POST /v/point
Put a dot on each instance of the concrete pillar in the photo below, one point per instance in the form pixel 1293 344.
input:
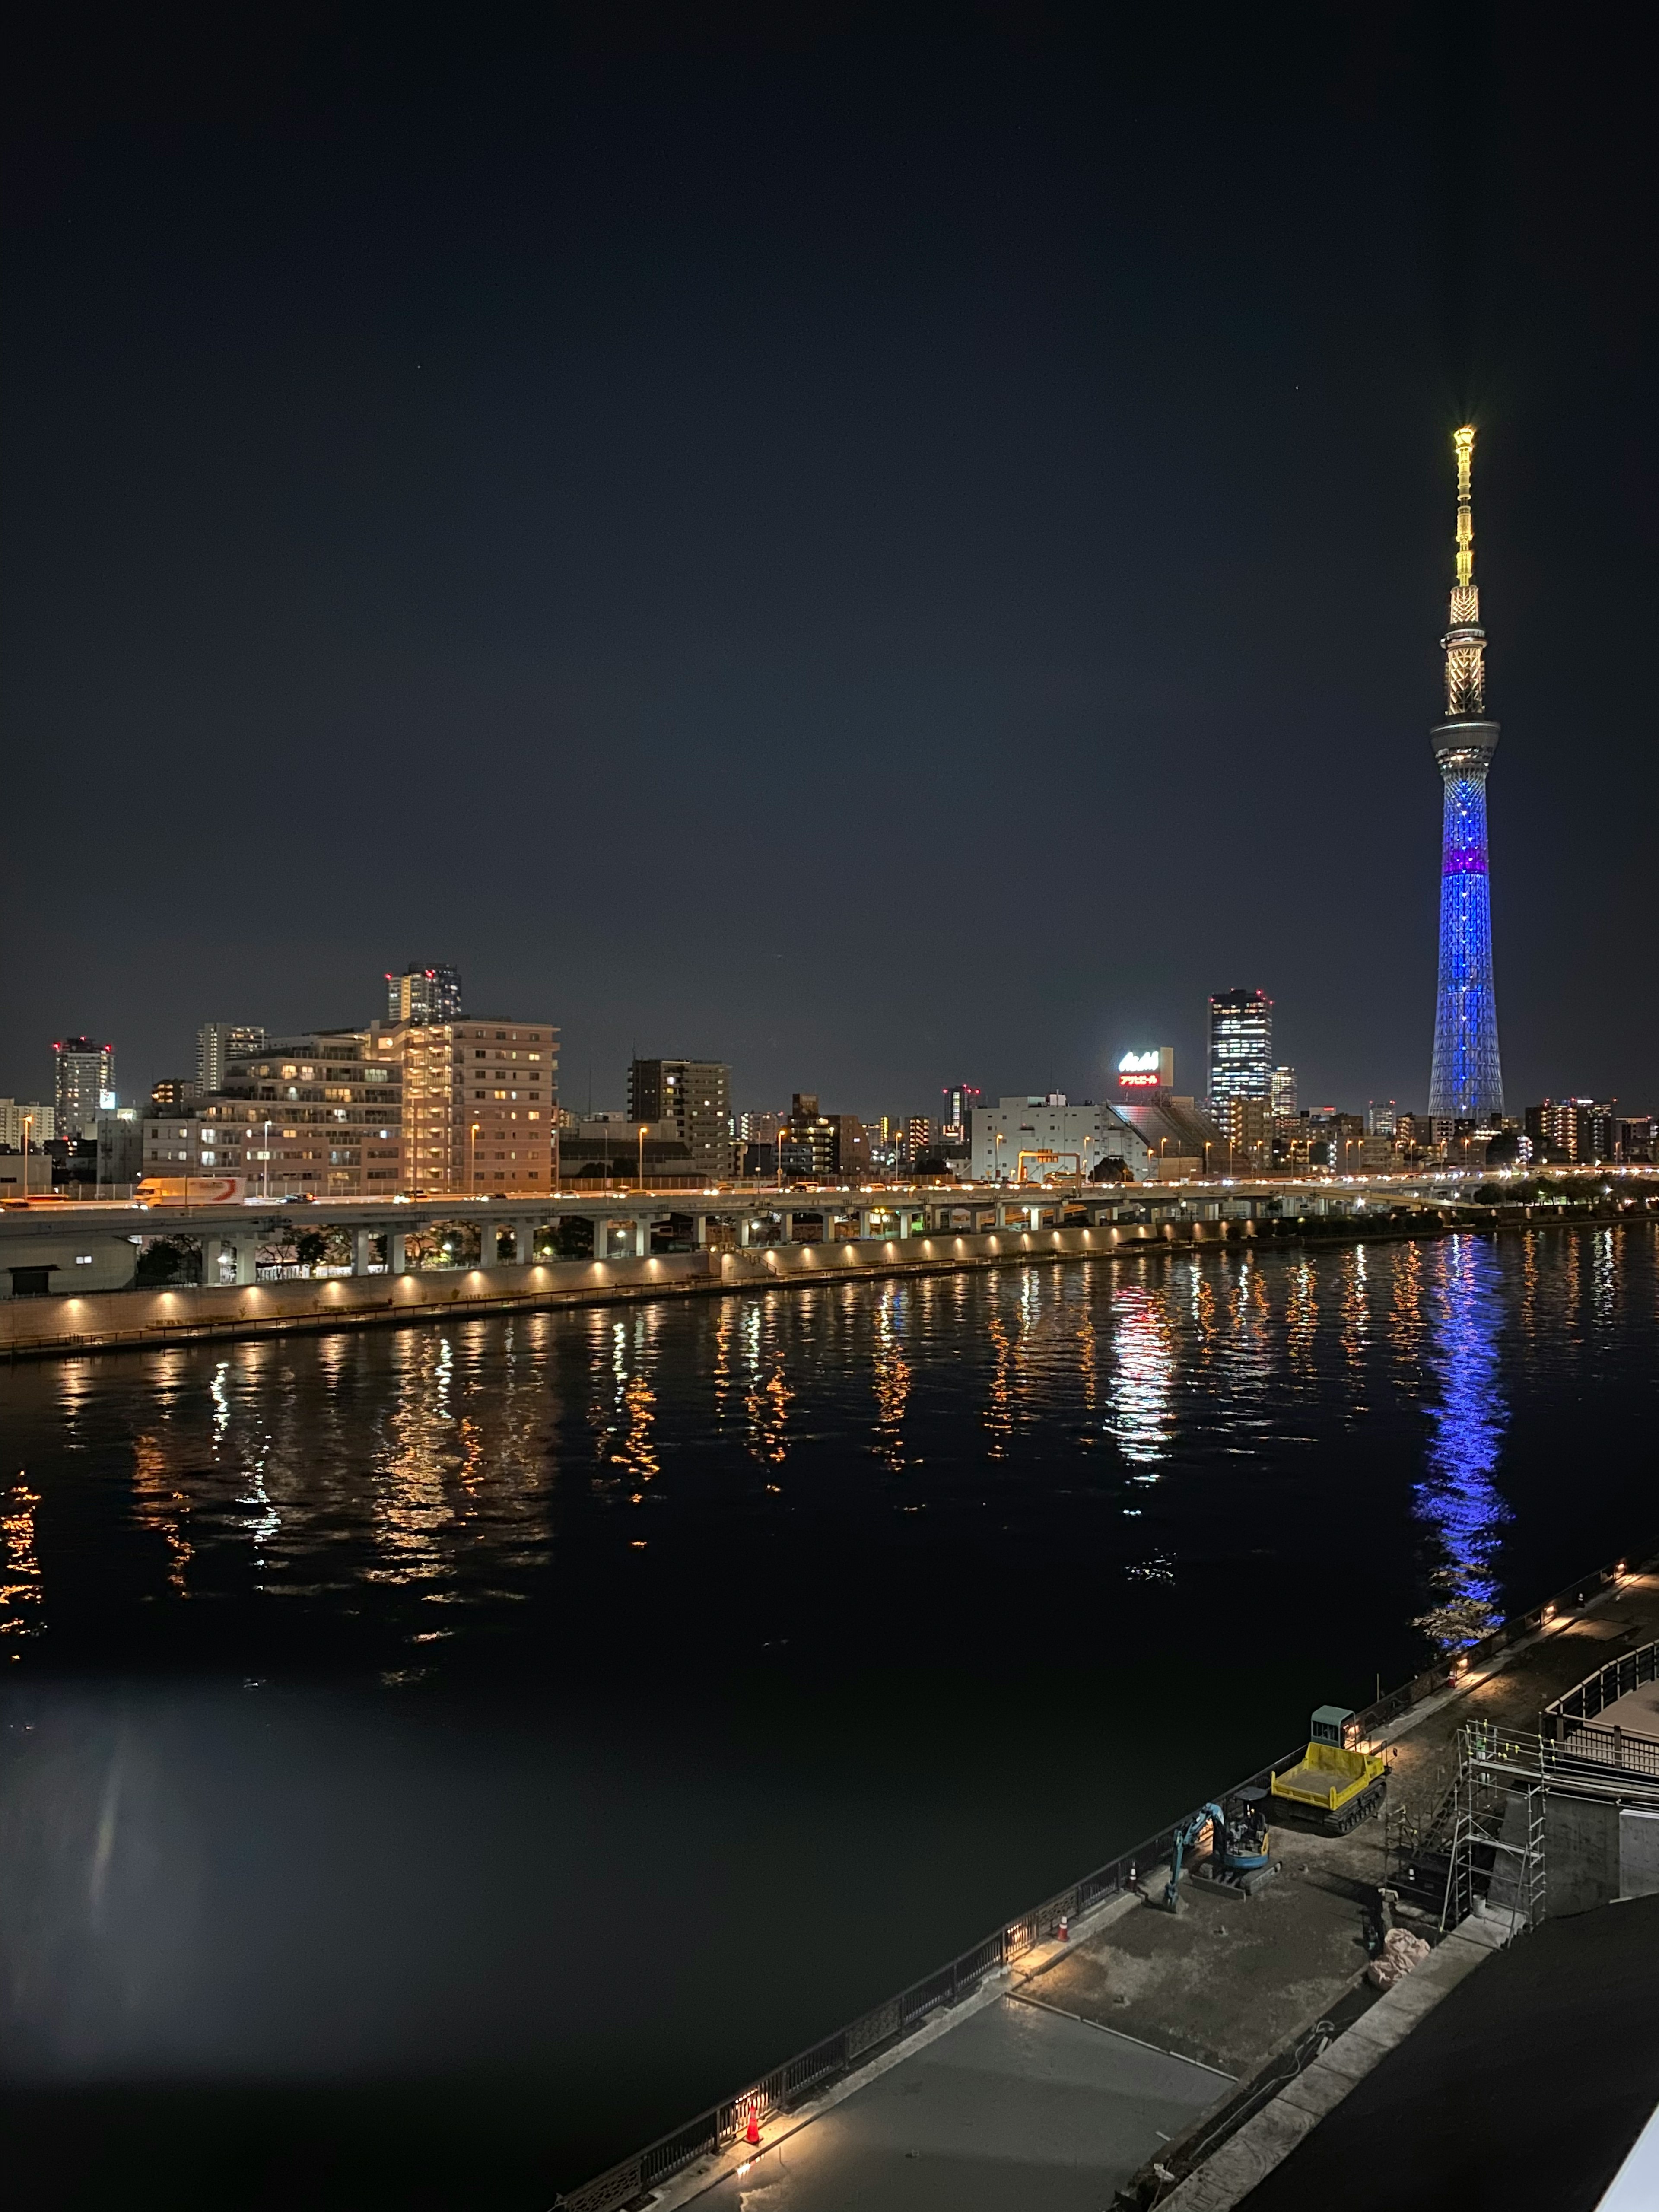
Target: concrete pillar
pixel 361 1250
pixel 789 1231
pixel 743 1234
pixel 210 1244
pixel 397 1259
pixel 488 1243
pixel 641 1237
pixel 700 1230
pixel 247 1249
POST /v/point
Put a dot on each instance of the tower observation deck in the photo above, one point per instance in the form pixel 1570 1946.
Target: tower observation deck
pixel 1467 1083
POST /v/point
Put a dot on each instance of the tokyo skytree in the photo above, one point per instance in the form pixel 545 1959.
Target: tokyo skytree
pixel 1467 1084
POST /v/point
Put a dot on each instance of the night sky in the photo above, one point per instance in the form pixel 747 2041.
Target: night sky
pixel 889 551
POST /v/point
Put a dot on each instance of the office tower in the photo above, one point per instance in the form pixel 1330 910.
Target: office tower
pixel 1382 1117
pixel 695 1096
pixel 424 994
pixel 1241 1047
pixel 1282 1091
pixel 215 1041
pixel 479 1100
pixel 85 1086
pixel 1466 1083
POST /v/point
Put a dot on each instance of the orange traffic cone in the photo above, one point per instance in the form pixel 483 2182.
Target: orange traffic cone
pixel 751 2133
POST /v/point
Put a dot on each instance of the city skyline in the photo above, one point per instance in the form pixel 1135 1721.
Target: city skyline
pixel 1106 603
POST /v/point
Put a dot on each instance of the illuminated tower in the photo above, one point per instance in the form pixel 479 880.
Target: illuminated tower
pixel 1467 1084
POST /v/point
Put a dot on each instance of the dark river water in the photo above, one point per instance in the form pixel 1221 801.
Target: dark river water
pixel 437 1760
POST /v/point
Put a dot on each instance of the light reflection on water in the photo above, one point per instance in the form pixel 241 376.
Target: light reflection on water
pixel 363 1480
pixel 1458 1497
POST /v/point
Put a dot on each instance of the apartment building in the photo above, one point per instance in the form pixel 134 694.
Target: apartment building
pixel 318 1114
pixel 480 1100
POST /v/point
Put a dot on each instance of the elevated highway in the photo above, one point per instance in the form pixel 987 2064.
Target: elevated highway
pixel 95 1275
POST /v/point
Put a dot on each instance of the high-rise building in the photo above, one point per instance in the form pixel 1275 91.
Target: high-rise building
pixel 424 994
pixel 216 1043
pixel 956 1123
pixel 695 1096
pixel 85 1086
pixel 1577 1131
pixel 1636 1137
pixel 480 1101
pixel 174 1094
pixel 1466 1082
pixel 1282 1090
pixel 1241 1047
pixel 1382 1117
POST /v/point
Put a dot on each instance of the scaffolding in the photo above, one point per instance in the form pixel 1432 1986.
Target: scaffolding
pixel 1491 1826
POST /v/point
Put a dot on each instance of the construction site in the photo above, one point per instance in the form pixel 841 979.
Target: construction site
pixel 1432 1926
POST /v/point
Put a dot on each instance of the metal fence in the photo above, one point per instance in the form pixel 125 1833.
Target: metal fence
pixel 788 2085
pixel 1566 1722
pixel 1447 1673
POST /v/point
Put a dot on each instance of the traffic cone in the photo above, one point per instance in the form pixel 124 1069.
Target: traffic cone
pixel 751 2133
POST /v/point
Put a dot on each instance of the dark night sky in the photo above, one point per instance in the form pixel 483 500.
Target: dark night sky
pixel 902 549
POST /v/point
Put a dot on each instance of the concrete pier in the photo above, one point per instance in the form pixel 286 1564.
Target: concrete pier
pixel 1053 2069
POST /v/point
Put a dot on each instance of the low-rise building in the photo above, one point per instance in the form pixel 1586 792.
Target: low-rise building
pixel 1182 1139
pixel 1030 1138
pixel 614 1148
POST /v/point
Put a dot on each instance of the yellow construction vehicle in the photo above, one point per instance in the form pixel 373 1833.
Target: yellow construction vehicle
pixel 1332 1786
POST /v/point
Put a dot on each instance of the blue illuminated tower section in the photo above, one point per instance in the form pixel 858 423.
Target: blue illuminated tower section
pixel 1467 1084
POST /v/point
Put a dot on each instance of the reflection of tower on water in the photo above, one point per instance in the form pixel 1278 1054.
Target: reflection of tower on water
pixel 1458 1499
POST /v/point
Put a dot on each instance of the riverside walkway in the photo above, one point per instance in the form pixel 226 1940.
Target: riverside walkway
pixel 1178 2058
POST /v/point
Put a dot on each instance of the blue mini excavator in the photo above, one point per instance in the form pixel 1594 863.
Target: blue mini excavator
pixel 1239 1859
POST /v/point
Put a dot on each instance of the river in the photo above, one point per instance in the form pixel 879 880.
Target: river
pixel 439 1757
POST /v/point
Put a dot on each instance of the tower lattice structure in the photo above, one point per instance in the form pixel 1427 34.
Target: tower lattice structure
pixel 1467 1083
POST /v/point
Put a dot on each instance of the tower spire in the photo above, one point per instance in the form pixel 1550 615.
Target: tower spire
pixel 1465 641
